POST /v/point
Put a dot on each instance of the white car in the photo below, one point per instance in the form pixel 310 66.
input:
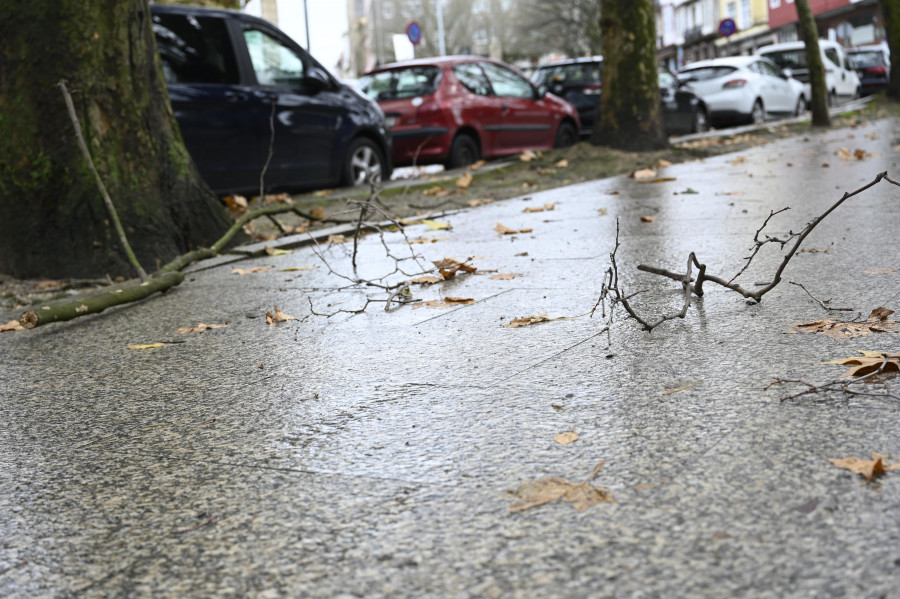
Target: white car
pixel 744 89
pixel 841 80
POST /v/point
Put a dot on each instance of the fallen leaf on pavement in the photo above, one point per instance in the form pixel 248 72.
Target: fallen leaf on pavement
pixel 146 346
pixel 869 362
pixel 534 493
pixel 546 171
pixel 448 267
pixel 336 239
pixel 277 252
pixel 436 225
pixel 524 321
pixel 680 387
pixel 877 322
pixel 464 180
pixel 565 438
pixel 505 276
pixel 546 207
pixel 611 192
pixel 12 325
pixel 317 212
pixel 295 268
pixel 527 156
pixel 426 280
pixel 479 202
pixel 662 162
pixel 857 154
pixel 247 271
pixel 278 316
pixel 459 300
pixel 738 160
pixel 202 327
pixel 562 163
pixel 437 190
pixel 447 302
pixel 424 240
pixel 649 219
pixel 477 165
pixel 657 180
pixel 236 203
pixel 644 173
pixel 879 271
pixel 504 230
pixel 868 468
pixel 602 211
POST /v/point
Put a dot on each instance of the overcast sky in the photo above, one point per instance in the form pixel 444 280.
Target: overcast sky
pixel 327 25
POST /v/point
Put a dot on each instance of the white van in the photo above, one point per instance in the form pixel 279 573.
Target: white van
pixel 841 80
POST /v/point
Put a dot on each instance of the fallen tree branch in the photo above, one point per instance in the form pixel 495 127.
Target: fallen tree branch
pixel 842 385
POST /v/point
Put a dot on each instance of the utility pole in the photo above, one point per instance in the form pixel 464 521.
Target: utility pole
pixel 306 21
pixel 440 19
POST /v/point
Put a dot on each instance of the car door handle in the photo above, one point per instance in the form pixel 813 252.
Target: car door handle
pixel 236 96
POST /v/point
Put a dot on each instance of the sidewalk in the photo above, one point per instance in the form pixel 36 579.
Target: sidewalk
pixel 372 454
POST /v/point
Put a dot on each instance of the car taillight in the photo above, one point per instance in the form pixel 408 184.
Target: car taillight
pixel 876 70
pixel 734 84
pixel 593 90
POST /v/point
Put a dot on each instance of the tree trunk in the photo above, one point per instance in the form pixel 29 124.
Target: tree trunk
pixel 810 35
pixel 53 222
pixel 629 114
pixel 890 11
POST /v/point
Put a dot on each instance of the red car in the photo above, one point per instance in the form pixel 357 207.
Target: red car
pixel 455 110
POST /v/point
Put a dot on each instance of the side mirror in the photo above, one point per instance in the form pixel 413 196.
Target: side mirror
pixel 787 73
pixel 541 91
pixel 317 80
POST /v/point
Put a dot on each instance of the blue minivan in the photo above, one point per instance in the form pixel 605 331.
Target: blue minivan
pixel 240 89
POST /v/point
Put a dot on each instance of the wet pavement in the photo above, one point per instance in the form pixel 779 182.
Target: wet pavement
pixel 373 454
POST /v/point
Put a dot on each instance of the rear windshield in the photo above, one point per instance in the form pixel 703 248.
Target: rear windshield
pixel 788 59
pixel 704 73
pixel 866 59
pixel 400 83
pixel 587 73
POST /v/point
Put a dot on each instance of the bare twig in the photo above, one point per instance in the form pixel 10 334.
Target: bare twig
pixel 820 302
pixel 842 385
pixel 262 173
pixel 113 215
pixel 193 528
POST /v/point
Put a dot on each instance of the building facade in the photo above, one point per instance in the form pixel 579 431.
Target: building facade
pixel 849 22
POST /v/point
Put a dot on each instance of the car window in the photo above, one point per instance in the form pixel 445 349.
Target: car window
pixel 704 73
pixel 273 62
pixel 768 69
pixel 397 84
pixel 506 83
pixel 472 78
pixel 866 59
pixel 666 79
pixel 584 73
pixel 832 55
pixel 788 59
pixel 195 49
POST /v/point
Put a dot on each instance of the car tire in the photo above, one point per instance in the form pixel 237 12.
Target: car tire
pixel 700 122
pixel 758 113
pixel 565 135
pixel 365 163
pixel 801 106
pixel 463 152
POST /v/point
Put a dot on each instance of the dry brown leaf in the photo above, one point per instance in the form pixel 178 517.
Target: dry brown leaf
pixel 447 302
pixel 505 276
pixel 868 362
pixel 464 180
pixel 546 171
pixel 426 280
pixel 278 198
pixel 738 160
pixel 523 321
pixel 879 271
pixel 534 493
pixel 504 230
pixel 277 252
pixel 527 156
pixel 565 438
pixel 12 325
pixel 146 346
pixel 437 190
pixel 247 271
pixel 644 173
pixel 423 240
pixel 448 267
pixel 202 327
pixel 662 163
pixel 278 316
pixel 546 207
pixel 295 268
pixel 236 203
pixel 317 212
pixel 841 330
pixel 562 163
pixel 477 165
pixel 611 192
pixel 649 219
pixel 479 202
pixel 459 300
pixel 868 468
pixel 336 239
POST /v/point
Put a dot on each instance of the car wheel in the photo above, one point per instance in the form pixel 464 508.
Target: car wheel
pixel 365 163
pixel 463 152
pixel 758 114
pixel 565 135
pixel 801 106
pixel 701 121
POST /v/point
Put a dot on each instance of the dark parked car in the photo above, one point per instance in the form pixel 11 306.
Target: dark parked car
pixel 454 110
pixel 579 82
pixel 232 78
pixel 873 65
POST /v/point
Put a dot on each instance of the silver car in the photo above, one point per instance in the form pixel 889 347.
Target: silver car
pixel 744 89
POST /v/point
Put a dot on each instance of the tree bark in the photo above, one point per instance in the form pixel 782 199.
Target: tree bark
pixel 53 222
pixel 890 11
pixel 629 114
pixel 810 34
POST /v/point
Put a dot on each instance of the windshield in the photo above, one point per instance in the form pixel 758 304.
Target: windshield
pixel 586 73
pixel 705 73
pixel 866 59
pixel 400 83
pixel 788 59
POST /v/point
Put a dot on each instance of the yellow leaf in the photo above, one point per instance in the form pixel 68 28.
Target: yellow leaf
pixel 436 225
pixel 464 180
pixel 147 346
pixel 246 271
pixel 277 252
pixel 565 438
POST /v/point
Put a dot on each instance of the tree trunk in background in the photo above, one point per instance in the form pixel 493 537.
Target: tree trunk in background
pixel 810 35
pixel 890 10
pixel 629 115
pixel 53 222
